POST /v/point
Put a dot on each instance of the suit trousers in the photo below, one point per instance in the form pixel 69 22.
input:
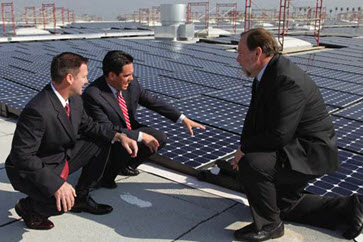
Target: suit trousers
pixel 275 193
pixel 120 159
pixel 87 154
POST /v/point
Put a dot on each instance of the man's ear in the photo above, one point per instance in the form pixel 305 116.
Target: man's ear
pixel 258 52
pixel 111 75
pixel 69 79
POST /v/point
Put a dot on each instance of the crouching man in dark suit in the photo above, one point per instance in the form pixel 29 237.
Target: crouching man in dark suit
pixel 287 139
pixel 112 100
pixel 55 137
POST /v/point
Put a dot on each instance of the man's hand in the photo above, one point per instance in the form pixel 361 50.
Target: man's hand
pixel 190 124
pixel 150 142
pixel 65 196
pixel 129 144
pixel 237 157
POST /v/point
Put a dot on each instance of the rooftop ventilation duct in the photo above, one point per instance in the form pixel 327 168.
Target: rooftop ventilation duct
pixel 173 18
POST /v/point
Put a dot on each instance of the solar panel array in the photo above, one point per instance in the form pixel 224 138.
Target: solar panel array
pixel 205 83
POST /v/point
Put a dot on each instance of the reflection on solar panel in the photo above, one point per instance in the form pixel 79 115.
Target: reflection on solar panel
pixel 348 180
pixel 204 148
pixel 215 112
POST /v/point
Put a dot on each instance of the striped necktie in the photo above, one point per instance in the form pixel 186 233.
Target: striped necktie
pixel 123 106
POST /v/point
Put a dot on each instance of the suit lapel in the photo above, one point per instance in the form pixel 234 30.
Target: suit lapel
pixel 107 94
pixel 61 113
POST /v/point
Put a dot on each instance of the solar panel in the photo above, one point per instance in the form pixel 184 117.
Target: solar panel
pixel 338 99
pixel 15 105
pixel 143 70
pixel 215 112
pixel 172 87
pixel 353 112
pixel 206 79
pixel 9 89
pixel 348 180
pixel 239 95
pixel 349 134
pixel 338 85
pixel 199 151
pixel 170 66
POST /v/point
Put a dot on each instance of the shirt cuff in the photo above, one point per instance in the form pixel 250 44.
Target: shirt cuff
pixel 181 118
pixel 139 139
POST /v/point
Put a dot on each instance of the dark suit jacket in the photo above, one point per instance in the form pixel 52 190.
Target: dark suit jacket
pixel 43 139
pixel 102 105
pixel 288 115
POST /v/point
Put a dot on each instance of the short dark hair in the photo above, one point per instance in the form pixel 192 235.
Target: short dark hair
pixel 114 61
pixel 64 64
pixel 262 38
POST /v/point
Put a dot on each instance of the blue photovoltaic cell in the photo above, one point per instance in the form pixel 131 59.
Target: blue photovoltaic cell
pixel 353 112
pixel 207 79
pixel 348 180
pixel 338 99
pixel 172 87
pixel 204 148
pixel 215 112
pixel 349 134
pixel 240 95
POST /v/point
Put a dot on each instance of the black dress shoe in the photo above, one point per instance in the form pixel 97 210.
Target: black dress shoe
pixel 129 171
pixel 31 219
pixel 108 184
pixel 356 225
pixel 87 204
pixel 249 233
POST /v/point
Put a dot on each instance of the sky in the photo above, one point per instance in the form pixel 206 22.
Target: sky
pixel 110 9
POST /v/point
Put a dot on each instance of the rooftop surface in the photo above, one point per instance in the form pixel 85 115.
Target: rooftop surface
pixel 157 205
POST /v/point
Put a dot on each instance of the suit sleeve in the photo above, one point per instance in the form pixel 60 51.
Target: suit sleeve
pixel 288 106
pixel 26 142
pixel 95 110
pixel 158 105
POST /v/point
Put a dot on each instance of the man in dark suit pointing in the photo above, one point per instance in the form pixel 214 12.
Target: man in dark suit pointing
pixel 112 100
pixel 55 137
pixel 287 139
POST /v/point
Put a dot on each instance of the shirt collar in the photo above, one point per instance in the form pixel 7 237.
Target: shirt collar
pixel 61 99
pixel 113 90
pixel 260 74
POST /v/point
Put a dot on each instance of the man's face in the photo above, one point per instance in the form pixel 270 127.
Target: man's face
pixel 79 80
pixel 122 80
pixel 246 58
